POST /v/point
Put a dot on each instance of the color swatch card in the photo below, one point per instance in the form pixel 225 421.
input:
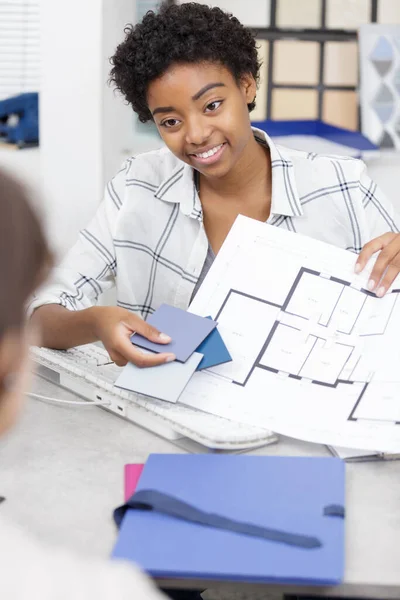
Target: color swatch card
pixel 214 350
pixel 165 382
pixel 186 330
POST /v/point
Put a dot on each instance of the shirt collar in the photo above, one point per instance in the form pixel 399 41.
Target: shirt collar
pixel 285 198
pixel 179 186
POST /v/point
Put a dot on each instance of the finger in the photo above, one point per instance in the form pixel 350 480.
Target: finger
pixel 378 271
pixel 390 275
pixel 137 325
pixel 131 353
pixel 117 358
pixel 370 248
pixel 146 359
pixel 388 256
pixel 139 358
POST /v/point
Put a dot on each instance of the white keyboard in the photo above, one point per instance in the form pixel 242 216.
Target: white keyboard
pixel 88 372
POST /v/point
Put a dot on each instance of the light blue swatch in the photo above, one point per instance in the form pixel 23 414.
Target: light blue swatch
pixel 164 382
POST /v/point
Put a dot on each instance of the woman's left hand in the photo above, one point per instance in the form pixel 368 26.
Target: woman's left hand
pixel 387 265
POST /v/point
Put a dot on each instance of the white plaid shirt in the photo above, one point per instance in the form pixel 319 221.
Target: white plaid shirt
pixel 148 239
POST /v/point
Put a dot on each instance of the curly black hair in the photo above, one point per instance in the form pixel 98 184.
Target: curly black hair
pixel 186 33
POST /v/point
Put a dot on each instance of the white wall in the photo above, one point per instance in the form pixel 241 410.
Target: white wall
pixel 117 117
pixel 70 113
pixel 83 125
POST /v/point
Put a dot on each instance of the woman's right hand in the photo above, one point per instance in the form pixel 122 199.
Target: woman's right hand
pixel 114 327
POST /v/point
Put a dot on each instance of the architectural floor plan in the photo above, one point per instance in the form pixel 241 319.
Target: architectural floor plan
pixel 314 352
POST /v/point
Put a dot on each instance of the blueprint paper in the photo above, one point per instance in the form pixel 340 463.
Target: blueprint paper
pixel 214 351
pixel 315 355
pixel 352 454
pixel 186 330
pixel 165 382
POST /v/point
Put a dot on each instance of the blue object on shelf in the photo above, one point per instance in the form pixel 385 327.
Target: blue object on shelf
pixel 338 135
pixel 26 130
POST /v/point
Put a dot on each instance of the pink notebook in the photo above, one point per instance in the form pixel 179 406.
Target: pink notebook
pixel 132 475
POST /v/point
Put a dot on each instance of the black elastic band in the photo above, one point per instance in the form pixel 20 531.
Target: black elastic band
pixel 151 500
pixel 334 510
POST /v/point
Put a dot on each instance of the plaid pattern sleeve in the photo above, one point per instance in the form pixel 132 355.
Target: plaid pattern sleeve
pixel 90 267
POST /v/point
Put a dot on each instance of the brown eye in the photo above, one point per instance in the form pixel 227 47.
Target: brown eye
pixel 213 105
pixel 168 123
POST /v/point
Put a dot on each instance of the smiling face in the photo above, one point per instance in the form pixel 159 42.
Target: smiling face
pixel 202 116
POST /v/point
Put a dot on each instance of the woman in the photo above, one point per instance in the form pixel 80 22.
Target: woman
pixel 193 71
pixel 29 570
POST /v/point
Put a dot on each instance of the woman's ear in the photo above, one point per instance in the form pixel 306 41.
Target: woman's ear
pixel 249 87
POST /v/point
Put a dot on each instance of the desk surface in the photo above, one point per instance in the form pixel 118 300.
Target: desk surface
pixel 61 471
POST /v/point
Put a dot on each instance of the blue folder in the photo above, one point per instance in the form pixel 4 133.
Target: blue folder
pixel 275 492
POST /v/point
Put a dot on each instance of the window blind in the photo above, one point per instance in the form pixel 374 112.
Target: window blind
pixel 19 47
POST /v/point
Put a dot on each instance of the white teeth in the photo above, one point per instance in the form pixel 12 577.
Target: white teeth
pixel 210 152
